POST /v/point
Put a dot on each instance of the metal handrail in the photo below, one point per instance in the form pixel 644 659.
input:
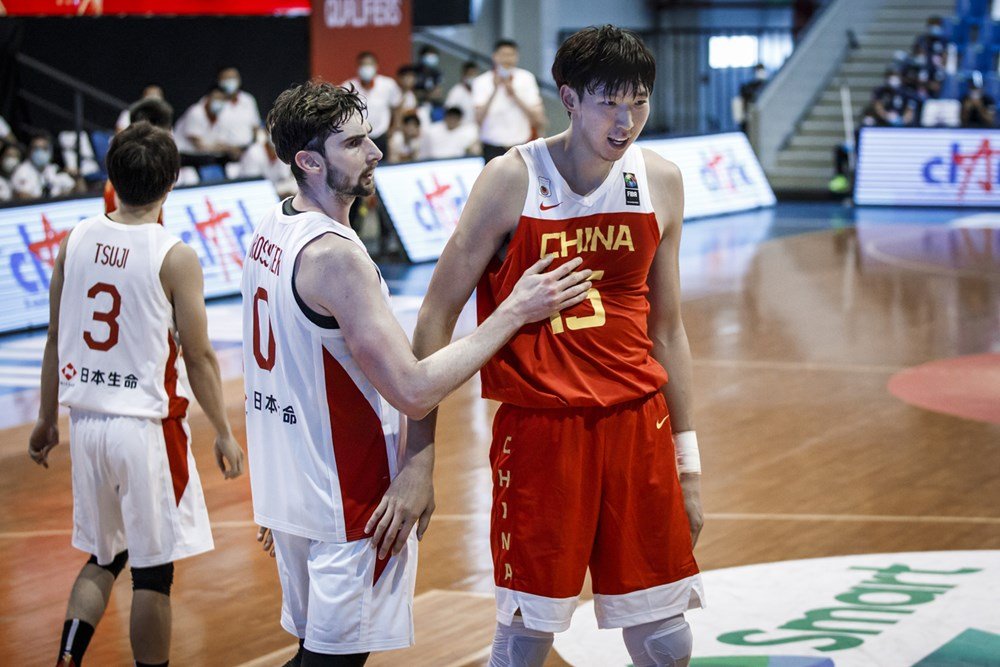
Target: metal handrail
pixel 74 83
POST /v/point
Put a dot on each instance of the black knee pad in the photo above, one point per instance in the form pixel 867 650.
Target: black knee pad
pixel 158 578
pixel 115 567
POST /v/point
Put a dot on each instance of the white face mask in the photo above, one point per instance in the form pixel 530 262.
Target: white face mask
pixel 503 72
pixel 229 86
pixel 430 60
pixel 216 106
pixel 9 164
pixel 366 72
pixel 41 157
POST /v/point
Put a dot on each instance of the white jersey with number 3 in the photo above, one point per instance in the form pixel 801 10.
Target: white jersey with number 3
pixel 322 442
pixel 118 352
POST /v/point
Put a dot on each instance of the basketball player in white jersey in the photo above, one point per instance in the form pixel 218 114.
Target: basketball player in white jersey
pixel 125 298
pixel 585 472
pixel 328 369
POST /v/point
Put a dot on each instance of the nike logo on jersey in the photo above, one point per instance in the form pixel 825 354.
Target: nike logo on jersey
pixel 660 423
pixel 545 208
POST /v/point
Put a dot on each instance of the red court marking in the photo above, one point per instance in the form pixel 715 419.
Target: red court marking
pixel 967 387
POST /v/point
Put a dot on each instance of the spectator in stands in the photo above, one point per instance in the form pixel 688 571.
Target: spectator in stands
pixel 151 91
pixel 508 105
pixel 460 94
pixel 11 157
pixel 449 138
pixel 260 161
pixel 933 42
pixel 240 116
pixel 406 77
pixel 200 129
pixel 920 70
pixel 748 95
pixel 978 108
pixel 382 95
pixel 428 76
pixel 39 177
pixel 6 134
pixel 894 106
pixel 404 146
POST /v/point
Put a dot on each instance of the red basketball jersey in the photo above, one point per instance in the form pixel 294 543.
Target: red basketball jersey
pixel 598 352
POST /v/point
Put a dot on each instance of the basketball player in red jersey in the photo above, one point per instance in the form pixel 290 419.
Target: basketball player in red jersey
pixel 584 467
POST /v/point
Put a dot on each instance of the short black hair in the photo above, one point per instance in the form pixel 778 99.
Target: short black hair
pixel 469 64
pixel 142 163
pixel 407 69
pixel 454 111
pixel 605 57
pixel 305 115
pixel 427 48
pixel 154 111
pixel 411 117
pixel 501 43
pixel 366 54
pixel 40 134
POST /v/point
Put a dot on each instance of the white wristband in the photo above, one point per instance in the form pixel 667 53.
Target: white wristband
pixel 686 449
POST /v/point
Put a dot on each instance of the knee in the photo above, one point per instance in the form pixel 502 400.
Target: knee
pixel 665 643
pixel 115 567
pixel 158 578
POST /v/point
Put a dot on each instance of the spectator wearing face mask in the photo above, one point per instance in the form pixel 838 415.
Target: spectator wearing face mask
pixel 151 92
pixel 10 159
pixel 893 105
pixel 920 71
pixel 38 177
pixel 428 76
pixel 508 105
pixel 933 43
pixel 381 94
pixel 460 94
pixel 449 138
pixel 260 161
pixel 404 146
pixel 239 117
pixel 978 108
pixel 201 130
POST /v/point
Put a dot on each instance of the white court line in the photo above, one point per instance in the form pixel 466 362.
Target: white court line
pixel 796 366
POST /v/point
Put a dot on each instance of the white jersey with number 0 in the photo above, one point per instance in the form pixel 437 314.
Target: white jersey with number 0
pixel 118 352
pixel 322 442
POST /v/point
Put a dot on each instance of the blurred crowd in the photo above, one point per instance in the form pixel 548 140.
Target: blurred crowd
pixel 414 115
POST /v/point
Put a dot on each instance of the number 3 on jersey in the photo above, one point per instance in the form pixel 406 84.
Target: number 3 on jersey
pixel 108 317
pixel 265 362
pixel 573 322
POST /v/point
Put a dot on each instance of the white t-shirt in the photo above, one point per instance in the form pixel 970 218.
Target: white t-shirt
pixel 461 97
pixel 402 149
pixel 124 120
pixel 437 141
pixel 4 128
pixel 256 162
pixel 505 124
pixel 381 97
pixel 239 120
pixel 6 192
pixel 27 181
pixel 196 123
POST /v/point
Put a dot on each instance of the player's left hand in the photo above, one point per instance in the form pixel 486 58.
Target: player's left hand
pixel 43 438
pixel 266 539
pixel 409 500
pixel 691 487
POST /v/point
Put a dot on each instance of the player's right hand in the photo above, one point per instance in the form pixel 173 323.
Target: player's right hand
pixel 229 456
pixel 266 539
pixel 43 438
pixel 539 294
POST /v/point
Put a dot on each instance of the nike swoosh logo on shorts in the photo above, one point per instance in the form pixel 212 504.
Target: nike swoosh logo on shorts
pixel 660 423
pixel 545 208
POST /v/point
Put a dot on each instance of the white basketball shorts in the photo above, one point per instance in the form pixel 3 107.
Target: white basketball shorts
pixel 330 595
pixel 135 486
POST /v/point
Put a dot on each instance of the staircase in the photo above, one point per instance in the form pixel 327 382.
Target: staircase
pixel 806 163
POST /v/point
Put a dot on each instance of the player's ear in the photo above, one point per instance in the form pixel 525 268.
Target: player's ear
pixel 570 98
pixel 307 162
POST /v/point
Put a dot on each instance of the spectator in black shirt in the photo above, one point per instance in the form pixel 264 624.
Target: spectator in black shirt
pixel 921 72
pixel 894 106
pixel 933 43
pixel 429 77
pixel 749 92
pixel 978 108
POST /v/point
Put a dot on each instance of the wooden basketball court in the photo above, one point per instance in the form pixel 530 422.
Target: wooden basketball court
pixel 806 453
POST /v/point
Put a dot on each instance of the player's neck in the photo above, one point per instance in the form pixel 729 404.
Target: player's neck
pixel 329 203
pixel 136 215
pixel 583 170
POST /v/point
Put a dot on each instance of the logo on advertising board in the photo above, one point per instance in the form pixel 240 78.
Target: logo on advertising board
pixel 362 13
pixel 442 201
pixel 32 264
pixel 974 169
pixel 904 610
pixel 722 170
pixel 218 233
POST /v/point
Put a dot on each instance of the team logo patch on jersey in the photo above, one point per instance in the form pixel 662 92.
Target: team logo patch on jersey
pixel 631 189
pixel 69 372
pixel 543 186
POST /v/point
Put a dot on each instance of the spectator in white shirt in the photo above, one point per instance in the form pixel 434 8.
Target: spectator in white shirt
pixel 406 77
pixel 38 177
pixel 260 161
pixel 460 94
pixel 151 91
pixel 240 116
pixel 200 129
pixel 381 94
pixel 10 159
pixel 404 146
pixel 508 105
pixel 449 138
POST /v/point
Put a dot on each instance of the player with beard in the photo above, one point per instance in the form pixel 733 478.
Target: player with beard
pixel 328 369
pixel 584 468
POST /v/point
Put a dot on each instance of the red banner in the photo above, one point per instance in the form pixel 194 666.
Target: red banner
pixel 340 29
pixel 153 7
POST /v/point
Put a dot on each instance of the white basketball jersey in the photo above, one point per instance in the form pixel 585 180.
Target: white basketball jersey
pixel 322 442
pixel 118 350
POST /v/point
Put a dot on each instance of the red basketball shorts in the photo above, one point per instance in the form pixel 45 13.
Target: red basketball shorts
pixel 589 487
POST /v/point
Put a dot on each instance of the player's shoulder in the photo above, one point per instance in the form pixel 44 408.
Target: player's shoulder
pixel 507 171
pixel 332 251
pixel 659 169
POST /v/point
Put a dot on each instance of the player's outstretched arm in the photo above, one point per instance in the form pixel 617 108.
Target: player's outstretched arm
pixel 184 284
pixel 666 329
pixel 45 434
